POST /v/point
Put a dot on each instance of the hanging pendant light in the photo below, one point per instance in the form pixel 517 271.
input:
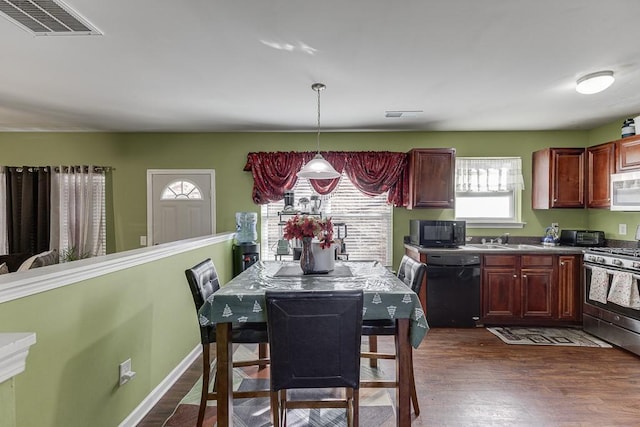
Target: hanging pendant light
pixel 318 167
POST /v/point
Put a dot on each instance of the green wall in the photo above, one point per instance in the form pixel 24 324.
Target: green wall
pixel 85 330
pixel 133 153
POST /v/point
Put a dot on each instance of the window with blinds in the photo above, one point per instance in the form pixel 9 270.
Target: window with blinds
pixel 368 221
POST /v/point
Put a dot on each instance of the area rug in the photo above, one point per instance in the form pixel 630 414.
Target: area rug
pixel 376 404
pixel 547 336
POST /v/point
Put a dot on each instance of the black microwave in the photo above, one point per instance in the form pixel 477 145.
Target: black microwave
pixel 437 233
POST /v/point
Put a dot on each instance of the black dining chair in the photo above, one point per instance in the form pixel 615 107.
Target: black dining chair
pixel 412 273
pixel 314 342
pixel 203 281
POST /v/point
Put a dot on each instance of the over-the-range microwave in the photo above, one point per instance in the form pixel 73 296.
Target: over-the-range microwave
pixel 625 191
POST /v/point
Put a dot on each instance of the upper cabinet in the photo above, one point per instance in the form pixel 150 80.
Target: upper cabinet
pixel 628 153
pixel 432 178
pixel 600 166
pixel 558 178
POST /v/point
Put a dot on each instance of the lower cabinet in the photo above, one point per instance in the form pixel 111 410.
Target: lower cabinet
pixel 530 289
pixel 570 288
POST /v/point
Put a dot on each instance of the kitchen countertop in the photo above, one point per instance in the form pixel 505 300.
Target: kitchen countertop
pixel 502 249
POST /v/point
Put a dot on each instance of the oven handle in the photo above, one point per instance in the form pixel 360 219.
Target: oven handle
pixel 635 276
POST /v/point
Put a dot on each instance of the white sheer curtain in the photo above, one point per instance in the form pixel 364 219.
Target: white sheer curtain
pixel 488 174
pixel 4 242
pixel 78 227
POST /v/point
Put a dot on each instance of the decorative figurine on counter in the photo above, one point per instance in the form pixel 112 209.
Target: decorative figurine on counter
pixel 551 237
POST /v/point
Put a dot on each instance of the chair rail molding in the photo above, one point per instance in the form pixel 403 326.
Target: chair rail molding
pixel 14 348
pixel 22 284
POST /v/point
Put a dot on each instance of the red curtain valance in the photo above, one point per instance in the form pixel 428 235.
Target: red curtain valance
pixel 371 172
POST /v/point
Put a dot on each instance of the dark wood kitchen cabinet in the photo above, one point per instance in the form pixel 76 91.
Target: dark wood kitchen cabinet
pixel 628 154
pixel 600 165
pixel 558 178
pixel 432 178
pixel 569 288
pixel 501 289
pixel 518 288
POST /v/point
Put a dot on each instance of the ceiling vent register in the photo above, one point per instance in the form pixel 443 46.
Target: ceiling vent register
pixel 46 17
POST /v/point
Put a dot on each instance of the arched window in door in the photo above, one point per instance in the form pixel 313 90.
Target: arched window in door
pixel 181 190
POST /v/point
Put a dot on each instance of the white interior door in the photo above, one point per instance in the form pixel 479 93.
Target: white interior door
pixel 180 204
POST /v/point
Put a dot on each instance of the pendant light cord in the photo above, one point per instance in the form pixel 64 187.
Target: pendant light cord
pixel 318 138
pixel 318 87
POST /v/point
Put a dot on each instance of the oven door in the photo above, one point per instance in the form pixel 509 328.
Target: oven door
pixel 609 306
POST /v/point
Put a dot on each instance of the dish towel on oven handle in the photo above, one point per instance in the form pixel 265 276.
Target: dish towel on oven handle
pixel 624 290
pixel 599 286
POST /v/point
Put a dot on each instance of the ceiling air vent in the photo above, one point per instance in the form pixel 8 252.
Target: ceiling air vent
pixel 46 17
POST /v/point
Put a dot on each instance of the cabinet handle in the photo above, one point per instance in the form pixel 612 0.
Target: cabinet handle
pixel 524 276
pixel 515 276
pixel 562 263
pixel 555 200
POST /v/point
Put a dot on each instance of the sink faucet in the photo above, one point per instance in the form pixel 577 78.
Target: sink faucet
pixel 503 238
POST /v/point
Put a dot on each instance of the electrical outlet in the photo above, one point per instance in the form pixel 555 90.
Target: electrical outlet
pixel 126 374
pixel 622 229
pixel 143 240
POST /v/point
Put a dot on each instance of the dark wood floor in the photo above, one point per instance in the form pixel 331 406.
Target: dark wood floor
pixel 468 377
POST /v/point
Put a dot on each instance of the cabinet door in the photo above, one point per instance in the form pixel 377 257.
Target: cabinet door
pixel 431 178
pixel 569 288
pixel 567 178
pixel 500 294
pixel 600 165
pixel 537 293
pixel 628 153
pixel 558 178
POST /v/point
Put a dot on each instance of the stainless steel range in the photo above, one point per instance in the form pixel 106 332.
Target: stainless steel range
pixel 612 322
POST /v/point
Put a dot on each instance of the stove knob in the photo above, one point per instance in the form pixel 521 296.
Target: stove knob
pixel 591 258
pixel 617 262
pixel 600 259
pixel 636 264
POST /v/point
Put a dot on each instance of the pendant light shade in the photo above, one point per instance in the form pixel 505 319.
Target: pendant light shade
pixel 594 82
pixel 318 167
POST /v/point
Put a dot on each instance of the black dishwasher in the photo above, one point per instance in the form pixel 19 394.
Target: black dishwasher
pixel 453 290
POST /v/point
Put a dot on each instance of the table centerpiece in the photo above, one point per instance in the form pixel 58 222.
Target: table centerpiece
pixel 307 228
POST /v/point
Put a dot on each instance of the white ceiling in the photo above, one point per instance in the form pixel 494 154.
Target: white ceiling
pixel 248 65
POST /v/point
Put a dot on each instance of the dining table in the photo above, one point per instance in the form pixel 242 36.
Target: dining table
pixel 242 299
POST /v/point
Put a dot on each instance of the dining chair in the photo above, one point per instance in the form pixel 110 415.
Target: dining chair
pixel 314 342
pixel 203 282
pixel 412 273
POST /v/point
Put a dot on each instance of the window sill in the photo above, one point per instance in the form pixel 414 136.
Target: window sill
pixel 472 224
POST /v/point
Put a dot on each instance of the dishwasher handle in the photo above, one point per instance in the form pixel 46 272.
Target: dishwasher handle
pixel 452 260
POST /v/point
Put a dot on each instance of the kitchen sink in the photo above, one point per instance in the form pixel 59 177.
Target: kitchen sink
pixel 489 246
pixel 502 247
pixel 529 247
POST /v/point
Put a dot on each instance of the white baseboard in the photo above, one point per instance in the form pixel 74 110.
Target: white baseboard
pixel 156 394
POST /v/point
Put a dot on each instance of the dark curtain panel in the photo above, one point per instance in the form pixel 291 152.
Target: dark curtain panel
pixel 28 209
pixel 372 172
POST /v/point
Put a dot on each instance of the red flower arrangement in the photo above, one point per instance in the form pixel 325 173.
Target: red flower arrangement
pixel 309 226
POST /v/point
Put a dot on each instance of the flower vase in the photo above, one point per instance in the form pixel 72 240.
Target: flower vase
pixel 307 262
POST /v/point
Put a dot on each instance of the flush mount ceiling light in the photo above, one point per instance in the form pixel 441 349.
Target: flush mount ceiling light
pixel 594 82
pixel 318 167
